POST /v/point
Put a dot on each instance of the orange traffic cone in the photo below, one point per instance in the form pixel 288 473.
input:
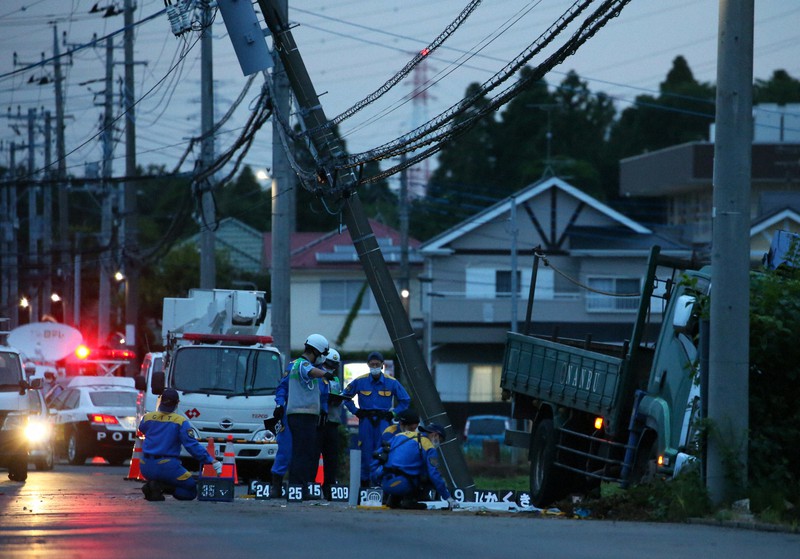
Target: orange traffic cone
pixel 229 461
pixel 134 473
pixel 208 469
pixel 320 472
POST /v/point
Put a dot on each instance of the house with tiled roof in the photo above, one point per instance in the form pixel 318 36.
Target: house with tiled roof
pixel 327 280
pixel 479 272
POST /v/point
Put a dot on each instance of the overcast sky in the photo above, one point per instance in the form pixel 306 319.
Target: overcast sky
pixel 351 47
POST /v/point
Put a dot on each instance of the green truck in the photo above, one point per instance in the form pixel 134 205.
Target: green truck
pixel 590 412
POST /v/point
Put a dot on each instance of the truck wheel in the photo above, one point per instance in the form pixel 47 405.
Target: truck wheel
pixel 76 455
pixel 46 463
pixel 547 481
pixel 18 469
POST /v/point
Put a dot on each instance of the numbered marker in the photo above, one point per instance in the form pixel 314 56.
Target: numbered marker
pixel 340 493
pixel 295 493
pixel 458 495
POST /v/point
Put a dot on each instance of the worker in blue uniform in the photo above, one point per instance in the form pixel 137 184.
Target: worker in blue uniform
pixel 303 408
pixel 376 394
pixel 283 437
pixel 330 421
pixel 410 466
pixel 165 431
pixel 407 420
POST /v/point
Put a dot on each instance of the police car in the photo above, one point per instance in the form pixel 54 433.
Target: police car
pixel 95 416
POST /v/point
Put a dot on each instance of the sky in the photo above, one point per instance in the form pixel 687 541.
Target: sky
pixel 350 47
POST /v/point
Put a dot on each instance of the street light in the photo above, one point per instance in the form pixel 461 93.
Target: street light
pixel 24 303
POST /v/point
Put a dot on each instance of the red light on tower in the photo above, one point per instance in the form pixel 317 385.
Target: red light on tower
pixel 82 352
pixel 425 52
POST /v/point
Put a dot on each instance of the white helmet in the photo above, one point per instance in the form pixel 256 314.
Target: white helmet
pixel 333 356
pixel 318 342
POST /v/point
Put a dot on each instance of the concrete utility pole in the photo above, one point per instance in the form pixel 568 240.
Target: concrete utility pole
pixel 404 274
pixel 33 219
pixel 208 270
pixel 730 255
pixel 61 174
pixel 514 266
pixel 130 214
pixel 283 194
pixel 328 146
pixel 104 296
pixel 46 228
pixel 9 253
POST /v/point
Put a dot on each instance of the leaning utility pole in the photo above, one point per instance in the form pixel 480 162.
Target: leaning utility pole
pixel 728 386
pixel 208 271
pixel 283 194
pixel 46 228
pixel 33 220
pixel 341 190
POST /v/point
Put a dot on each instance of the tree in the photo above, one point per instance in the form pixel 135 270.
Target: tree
pixel 781 88
pixel 244 199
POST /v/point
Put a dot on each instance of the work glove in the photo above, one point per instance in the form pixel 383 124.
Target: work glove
pixel 361 414
pixel 217 465
pixel 388 415
pixel 329 375
pixel 278 413
pixel 452 504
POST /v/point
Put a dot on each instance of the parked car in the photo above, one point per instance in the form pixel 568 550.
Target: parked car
pixel 95 416
pixel 39 432
pixel 482 427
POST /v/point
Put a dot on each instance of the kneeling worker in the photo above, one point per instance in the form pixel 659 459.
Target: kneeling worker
pixel 165 432
pixel 410 466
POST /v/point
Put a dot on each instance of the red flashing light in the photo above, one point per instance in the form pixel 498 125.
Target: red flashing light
pixel 425 52
pixel 234 338
pixel 82 351
pixel 102 419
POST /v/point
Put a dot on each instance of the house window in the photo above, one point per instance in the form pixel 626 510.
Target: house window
pixel 598 301
pixel 484 383
pixel 502 283
pixel 341 295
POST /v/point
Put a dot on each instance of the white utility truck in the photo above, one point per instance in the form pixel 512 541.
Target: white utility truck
pixel 220 359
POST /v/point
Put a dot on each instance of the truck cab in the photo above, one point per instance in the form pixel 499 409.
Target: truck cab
pixel 15 410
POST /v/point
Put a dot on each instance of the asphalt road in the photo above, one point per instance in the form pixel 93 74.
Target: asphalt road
pixel 90 511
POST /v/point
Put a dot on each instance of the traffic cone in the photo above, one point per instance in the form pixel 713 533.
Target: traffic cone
pixel 320 478
pixel 208 469
pixel 134 472
pixel 229 461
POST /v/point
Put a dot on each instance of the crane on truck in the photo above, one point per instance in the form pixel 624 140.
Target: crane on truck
pixel 219 357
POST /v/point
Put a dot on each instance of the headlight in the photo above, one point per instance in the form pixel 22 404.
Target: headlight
pixel 37 430
pixel 264 435
pixel 15 420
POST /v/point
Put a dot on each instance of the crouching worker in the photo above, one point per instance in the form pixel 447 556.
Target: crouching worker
pixel 165 431
pixel 409 468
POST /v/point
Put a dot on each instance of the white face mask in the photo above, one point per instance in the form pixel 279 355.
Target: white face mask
pixel 375 371
pixel 320 360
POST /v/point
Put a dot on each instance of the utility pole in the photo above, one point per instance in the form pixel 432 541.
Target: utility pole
pixel 208 272
pixel 342 191
pixel 283 194
pixel 130 239
pixel 514 266
pixel 728 383
pixel 9 256
pixel 61 174
pixel 33 217
pixel 104 297
pixel 404 273
pixel 46 229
